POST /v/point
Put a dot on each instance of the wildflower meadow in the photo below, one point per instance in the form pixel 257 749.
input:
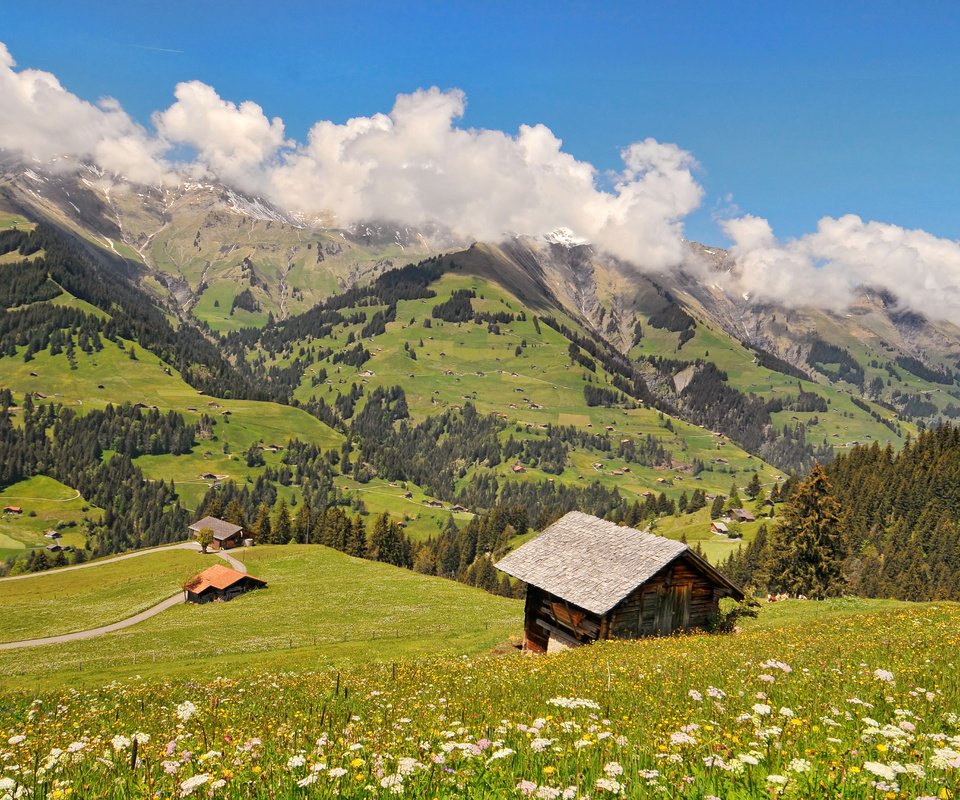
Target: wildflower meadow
pixel 855 705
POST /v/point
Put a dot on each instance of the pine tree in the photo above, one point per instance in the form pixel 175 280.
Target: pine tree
pixel 716 510
pixel 357 539
pixel 262 528
pixel 282 527
pixel 807 549
pixel 754 488
pixel 234 513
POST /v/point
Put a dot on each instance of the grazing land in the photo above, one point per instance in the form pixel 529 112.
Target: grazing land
pixel 321 607
pixel 47 505
pixel 55 602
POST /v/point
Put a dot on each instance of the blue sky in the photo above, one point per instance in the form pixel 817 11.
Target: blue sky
pixel 794 111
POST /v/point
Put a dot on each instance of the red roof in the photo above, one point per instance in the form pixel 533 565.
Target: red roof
pixel 15 509
pixel 218 577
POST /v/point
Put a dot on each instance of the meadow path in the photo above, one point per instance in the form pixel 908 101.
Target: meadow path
pixel 124 623
pixel 237 565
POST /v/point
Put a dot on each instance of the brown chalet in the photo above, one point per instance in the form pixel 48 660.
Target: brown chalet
pixel 590 579
pixel 226 535
pixel 219 583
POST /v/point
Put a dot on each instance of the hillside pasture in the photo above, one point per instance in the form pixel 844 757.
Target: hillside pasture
pixel 63 601
pixel 47 505
pixel 321 607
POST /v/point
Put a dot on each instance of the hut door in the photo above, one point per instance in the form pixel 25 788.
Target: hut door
pixel 674 609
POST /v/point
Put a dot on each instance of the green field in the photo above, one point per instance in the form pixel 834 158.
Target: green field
pixel 47 505
pixel 321 608
pixel 458 363
pixel 148 380
pixel 852 699
pixel 63 601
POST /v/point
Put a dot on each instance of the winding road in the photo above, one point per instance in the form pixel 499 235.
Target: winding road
pixel 124 623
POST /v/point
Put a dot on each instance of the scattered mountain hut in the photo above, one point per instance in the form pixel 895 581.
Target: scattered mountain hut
pixel 226 535
pixel 13 509
pixel 719 527
pixel 219 583
pixel 742 515
pixel 590 579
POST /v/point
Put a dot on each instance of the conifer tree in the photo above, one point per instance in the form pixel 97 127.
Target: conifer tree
pixel 716 510
pixel 262 528
pixel 357 540
pixel 807 550
pixel 282 527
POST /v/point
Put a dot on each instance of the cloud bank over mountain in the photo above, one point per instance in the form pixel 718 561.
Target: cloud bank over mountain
pixel 824 268
pixel 414 165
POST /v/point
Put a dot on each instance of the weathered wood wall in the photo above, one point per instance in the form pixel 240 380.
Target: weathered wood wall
pixel 680 596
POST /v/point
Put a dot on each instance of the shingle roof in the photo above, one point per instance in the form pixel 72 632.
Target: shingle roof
pixel 590 562
pixel 221 529
pixel 217 576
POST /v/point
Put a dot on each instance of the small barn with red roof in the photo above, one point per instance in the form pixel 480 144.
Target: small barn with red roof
pixel 219 583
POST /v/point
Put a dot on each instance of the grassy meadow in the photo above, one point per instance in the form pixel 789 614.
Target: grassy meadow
pixel 851 699
pixel 47 505
pixel 321 607
pixel 462 362
pixel 148 380
pixel 51 603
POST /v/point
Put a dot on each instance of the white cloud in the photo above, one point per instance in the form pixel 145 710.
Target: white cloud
pixel 42 120
pixel 824 268
pixel 416 166
pixel 234 143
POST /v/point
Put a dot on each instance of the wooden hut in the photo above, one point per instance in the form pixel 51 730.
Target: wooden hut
pixel 590 579
pixel 226 535
pixel 219 583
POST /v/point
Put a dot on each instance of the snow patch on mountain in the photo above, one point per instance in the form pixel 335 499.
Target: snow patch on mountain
pixel 565 238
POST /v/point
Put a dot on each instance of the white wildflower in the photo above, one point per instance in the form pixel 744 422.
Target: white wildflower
pixel 695 695
pixel 609 785
pixel 190 784
pixel 296 761
pixel 540 744
pixel 120 742
pixel 337 772
pixel 799 765
pixel 612 769
pixel 880 770
pixel 503 752
pixel 573 702
pixel 761 709
pixel 883 675
pixel 186 710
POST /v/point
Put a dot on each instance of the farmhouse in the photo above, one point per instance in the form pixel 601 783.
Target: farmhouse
pixel 226 535
pixel 718 527
pixel 13 510
pixel 741 515
pixel 590 579
pixel 219 583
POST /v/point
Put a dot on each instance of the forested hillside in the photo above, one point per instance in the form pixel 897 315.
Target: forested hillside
pixel 875 523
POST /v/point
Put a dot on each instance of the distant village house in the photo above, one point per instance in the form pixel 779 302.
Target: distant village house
pixel 590 579
pixel 226 535
pixel 219 583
